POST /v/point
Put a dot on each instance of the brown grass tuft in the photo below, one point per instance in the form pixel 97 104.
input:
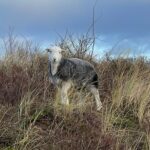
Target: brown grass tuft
pixel 31 116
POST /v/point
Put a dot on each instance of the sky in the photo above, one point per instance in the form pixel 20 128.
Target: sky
pixel 120 24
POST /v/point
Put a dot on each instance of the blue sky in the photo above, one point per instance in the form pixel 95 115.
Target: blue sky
pixel 121 24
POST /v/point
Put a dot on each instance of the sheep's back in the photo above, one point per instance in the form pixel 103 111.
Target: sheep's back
pixel 76 69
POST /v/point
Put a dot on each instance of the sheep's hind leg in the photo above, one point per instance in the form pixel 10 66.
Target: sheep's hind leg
pixel 95 92
pixel 64 90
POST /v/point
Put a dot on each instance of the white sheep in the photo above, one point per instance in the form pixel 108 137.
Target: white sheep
pixel 64 72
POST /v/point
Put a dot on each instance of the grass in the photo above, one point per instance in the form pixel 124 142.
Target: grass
pixel 31 116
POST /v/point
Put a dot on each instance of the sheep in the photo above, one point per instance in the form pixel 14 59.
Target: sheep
pixel 65 72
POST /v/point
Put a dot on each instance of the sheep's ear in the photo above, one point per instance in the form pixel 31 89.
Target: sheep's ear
pixel 48 50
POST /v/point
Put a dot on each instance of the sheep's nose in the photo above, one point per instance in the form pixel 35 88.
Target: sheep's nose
pixel 54 59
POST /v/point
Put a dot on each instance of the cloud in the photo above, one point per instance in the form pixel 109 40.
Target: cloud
pixel 115 16
pixel 42 10
pixel 116 45
pixel 124 22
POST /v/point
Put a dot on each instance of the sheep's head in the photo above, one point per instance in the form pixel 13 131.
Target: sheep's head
pixel 54 54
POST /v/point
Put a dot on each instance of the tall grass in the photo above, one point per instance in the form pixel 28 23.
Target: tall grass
pixel 31 116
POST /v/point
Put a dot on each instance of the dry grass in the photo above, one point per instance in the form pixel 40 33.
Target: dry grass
pixel 31 116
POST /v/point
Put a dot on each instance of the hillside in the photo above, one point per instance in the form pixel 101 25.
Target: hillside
pixel 31 116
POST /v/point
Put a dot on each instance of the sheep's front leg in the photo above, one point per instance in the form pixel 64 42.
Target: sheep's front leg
pixel 64 90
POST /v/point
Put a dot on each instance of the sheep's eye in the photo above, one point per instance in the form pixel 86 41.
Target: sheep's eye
pixel 48 50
